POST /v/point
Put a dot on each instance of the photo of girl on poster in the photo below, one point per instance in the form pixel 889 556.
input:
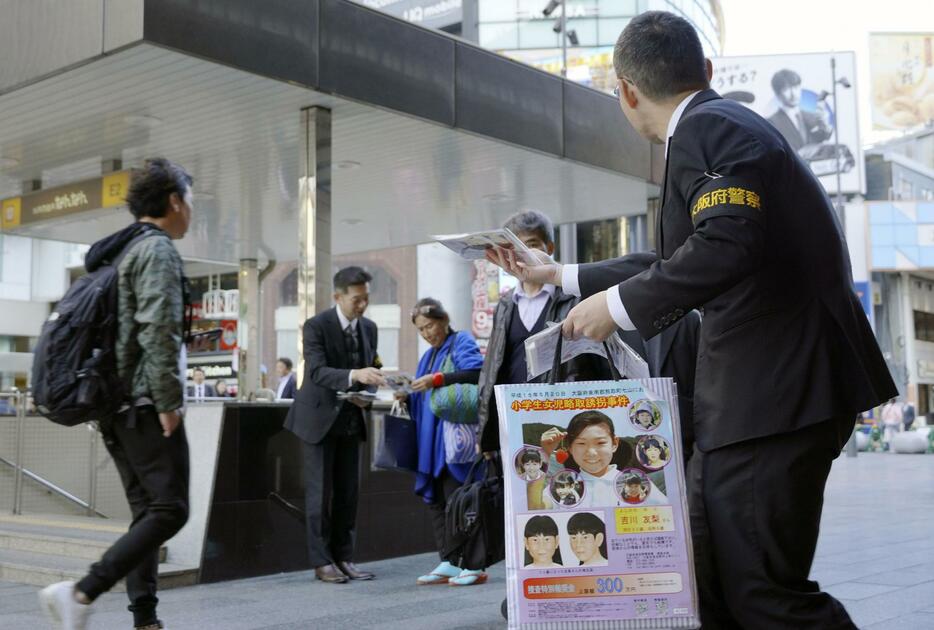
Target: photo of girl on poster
pixel 592 444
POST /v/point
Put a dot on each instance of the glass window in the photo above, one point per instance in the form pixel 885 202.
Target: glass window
pixel 538 34
pixel 499 35
pixel 608 30
pixel 586 30
pixel 617 8
pixel 497 11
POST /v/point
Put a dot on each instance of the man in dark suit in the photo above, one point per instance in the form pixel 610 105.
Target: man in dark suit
pixel 796 125
pixel 786 359
pixel 200 390
pixel 339 348
pixel 286 388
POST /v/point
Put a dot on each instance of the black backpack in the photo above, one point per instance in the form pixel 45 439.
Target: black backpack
pixel 475 536
pixel 74 372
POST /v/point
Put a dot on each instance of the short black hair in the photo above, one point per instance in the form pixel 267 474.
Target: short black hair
pixel 197 369
pixel 152 185
pixel 586 523
pixel 661 54
pixel 785 78
pixel 286 361
pixel 350 276
pixel 532 222
pixel 530 455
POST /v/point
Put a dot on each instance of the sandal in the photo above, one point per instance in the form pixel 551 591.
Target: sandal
pixel 441 574
pixel 469 578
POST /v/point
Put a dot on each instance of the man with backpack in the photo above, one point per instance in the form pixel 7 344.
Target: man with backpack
pixel 145 435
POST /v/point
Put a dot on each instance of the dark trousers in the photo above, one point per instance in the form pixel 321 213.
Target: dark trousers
pixel 755 515
pixel 154 470
pixel 444 487
pixel 331 470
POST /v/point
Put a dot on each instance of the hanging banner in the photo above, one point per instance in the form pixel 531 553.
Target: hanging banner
pixel 596 518
pixel 108 191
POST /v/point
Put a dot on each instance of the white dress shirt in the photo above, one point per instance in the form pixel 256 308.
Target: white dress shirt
pixel 199 391
pixel 282 383
pixel 614 302
pixel 531 307
pixel 344 324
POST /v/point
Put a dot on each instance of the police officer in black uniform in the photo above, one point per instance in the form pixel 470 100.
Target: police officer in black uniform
pixel 786 359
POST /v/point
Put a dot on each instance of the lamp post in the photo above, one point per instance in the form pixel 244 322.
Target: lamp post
pixel 561 27
pixel 836 140
pixel 851 448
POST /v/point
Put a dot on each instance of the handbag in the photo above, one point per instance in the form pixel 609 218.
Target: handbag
pixel 457 403
pixel 397 446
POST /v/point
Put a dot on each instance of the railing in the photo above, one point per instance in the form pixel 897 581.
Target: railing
pixel 64 442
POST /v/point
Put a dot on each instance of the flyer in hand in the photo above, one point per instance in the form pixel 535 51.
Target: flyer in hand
pixel 596 518
pixel 474 246
pixel 540 352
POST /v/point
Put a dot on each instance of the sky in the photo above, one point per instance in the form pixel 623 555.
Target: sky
pixel 762 27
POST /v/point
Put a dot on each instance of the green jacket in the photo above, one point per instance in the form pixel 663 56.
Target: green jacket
pixel 151 322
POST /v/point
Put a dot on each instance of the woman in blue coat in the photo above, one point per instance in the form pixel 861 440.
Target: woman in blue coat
pixel 445 449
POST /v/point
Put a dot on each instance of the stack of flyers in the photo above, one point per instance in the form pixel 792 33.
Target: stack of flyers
pixel 540 351
pixel 474 246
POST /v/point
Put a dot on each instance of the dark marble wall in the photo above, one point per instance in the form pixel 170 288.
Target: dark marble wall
pixel 249 534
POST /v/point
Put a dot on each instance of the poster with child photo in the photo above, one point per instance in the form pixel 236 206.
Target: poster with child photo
pixel 595 506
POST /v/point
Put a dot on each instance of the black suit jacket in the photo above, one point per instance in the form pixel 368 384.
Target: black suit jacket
pixel 747 232
pixel 289 390
pixel 672 353
pixel 815 129
pixel 327 371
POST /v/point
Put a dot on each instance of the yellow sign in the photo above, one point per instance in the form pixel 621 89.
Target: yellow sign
pixel 114 188
pixel 108 191
pixel 11 209
pixel 641 520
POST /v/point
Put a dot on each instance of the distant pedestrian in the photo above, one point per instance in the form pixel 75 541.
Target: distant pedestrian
pixel 147 442
pixel 908 415
pixel 892 419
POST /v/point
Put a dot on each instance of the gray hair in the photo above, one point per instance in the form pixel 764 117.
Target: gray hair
pixel 661 54
pixel 532 222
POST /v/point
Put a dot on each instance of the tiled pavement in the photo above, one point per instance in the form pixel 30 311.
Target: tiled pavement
pixel 876 554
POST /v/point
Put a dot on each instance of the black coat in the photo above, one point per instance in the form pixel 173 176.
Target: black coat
pixel 747 232
pixel 327 371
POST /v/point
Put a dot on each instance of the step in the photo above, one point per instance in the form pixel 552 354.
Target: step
pixel 41 569
pixel 77 537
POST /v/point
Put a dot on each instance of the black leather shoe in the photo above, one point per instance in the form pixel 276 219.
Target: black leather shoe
pixel 330 574
pixel 351 571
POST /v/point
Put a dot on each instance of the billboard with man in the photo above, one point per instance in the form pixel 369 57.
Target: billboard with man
pixel 795 93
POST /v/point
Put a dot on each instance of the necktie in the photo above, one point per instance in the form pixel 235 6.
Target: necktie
pixel 353 345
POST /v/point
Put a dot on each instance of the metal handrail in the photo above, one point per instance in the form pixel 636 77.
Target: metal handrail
pixel 48 485
pixel 20 471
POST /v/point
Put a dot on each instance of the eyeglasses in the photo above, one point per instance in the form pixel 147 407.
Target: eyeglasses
pixel 616 89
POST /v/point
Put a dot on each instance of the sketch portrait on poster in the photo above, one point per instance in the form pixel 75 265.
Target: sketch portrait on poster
pixel 795 94
pixel 596 518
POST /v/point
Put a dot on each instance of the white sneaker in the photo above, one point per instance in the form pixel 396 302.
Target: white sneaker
pixel 58 602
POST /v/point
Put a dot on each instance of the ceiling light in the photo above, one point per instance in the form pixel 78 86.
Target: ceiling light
pixel 142 120
pixel 347 165
pixel 351 221
pixel 8 162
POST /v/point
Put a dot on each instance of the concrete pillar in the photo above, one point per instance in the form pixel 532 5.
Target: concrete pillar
pixel 314 220
pixel 248 329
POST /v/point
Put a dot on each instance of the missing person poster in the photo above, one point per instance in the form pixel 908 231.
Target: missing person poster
pixel 596 518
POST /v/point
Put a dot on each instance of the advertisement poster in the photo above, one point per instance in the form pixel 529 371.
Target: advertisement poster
pixel 596 518
pixel 795 94
pixel 901 70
